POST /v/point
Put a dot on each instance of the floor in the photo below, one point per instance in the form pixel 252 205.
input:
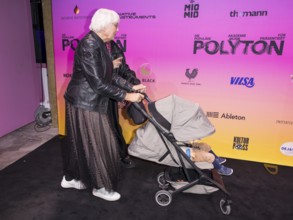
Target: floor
pixel 17 144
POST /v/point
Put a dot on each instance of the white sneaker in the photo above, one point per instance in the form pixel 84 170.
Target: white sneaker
pixel 76 184
pixel 104 194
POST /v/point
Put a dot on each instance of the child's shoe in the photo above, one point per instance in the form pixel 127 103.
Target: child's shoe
pixel 226 171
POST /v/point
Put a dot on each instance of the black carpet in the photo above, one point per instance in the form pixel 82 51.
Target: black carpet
pixel 30 189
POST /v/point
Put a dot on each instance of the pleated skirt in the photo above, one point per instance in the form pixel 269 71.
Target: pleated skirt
pixel 90 151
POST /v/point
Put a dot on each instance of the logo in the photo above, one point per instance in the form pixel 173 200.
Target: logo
pixel 242 81
pixel 76 10
pixel 191 74
pixel 135 16
pixel 248 13
pixel 287 149
pixel 213 114
pixel 237 44
pixel 240 143
pixel 225 116
pixel 191 10
pixel 284 122
pixel 232 117
pixel 121 41
pixel 67 75
pixel 145 70
pixel 69 41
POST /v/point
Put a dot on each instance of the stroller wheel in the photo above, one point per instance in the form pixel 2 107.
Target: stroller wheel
pixel 163 184
pixel 225 207
pixel 163 197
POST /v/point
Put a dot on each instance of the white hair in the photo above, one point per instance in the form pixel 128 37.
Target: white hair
pixel 102 18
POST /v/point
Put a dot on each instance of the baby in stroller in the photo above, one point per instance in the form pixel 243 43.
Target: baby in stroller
pixel 202 152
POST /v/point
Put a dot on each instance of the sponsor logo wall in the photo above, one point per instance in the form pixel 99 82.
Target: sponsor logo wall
pixel 232 57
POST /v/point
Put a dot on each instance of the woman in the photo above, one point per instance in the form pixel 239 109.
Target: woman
pixel 91 157
pixel 124 71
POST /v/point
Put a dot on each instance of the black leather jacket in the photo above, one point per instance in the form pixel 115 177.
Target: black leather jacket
pixel 93 81
pixel 124 71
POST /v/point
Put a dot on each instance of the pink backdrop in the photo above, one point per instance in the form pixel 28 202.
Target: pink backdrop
pixel 233 58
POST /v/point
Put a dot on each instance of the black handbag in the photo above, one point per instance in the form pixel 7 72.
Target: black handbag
pixel 134 113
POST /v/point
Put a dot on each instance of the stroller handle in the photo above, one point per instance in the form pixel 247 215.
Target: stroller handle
pixel 146 97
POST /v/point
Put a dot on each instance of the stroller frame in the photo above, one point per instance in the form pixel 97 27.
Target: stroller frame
pixel 164 197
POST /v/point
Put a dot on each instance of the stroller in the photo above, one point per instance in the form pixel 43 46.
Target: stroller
pixel 171 123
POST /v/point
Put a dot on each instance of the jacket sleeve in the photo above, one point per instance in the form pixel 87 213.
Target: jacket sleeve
pixel 122 83
pixel 96 69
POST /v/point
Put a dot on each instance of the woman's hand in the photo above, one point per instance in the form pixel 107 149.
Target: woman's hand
pixel 139 88
pixel 134 97
pixel 117 62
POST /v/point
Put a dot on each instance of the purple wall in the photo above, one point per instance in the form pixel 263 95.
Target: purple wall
pixel 20 84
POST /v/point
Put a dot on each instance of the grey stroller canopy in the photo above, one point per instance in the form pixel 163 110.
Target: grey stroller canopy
pixel 185 120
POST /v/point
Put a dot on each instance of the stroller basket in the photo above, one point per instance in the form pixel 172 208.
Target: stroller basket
pixel 177 178
pixel 172 122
